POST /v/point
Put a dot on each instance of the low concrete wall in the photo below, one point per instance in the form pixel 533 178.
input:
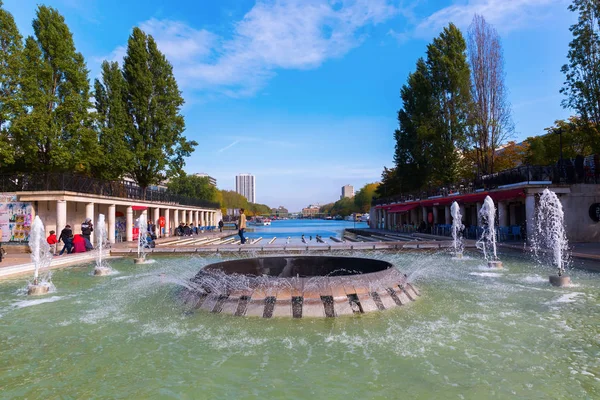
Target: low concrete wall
pixel 579 226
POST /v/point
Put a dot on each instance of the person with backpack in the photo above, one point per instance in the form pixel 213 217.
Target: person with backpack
pixel 66 236
pixel 87 228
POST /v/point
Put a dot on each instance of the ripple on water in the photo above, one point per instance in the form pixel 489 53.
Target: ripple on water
pixel 566 298
pixel 35 302
pixel 486 274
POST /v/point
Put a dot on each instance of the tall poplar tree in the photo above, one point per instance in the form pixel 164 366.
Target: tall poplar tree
pixel 56 132
pixel 110 101
pixel 582 84
pixel 11 48
pixel 449 75
pixel 491 115
pixel 153 102
pixel 434 118
pixel 415 134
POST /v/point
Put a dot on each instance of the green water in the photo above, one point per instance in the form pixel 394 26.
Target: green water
pixel 473 334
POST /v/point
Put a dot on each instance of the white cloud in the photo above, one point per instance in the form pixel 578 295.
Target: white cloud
pixel 506 15
pixel 274 34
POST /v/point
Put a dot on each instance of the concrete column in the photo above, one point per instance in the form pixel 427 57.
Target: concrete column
pixel 196 221
pixel 513 214
pixel 61 216
pixel 213 218
pixel 111 223
pixel 204 218
pixel 435 215
pixel 175 219
pixel 89 213
pixel 502 216
pixel 167 222
pixel 478 219
pixel 447 216
pixel 530 215
pixel 129 224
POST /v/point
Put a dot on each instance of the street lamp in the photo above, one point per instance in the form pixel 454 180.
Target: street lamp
pixel 559 132
pixel 561 165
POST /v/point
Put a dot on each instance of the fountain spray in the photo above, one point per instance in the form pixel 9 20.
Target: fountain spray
pixel 40 256
pixel 142 242
pixel 550 237
pixel 487 214
pixel 101 268
pixel 457 228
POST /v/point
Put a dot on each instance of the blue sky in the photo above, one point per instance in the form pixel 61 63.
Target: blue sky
pixel 304 93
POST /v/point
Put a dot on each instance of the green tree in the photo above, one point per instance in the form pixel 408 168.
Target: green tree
pixel 449 75
pixel 434 118
pixel 112 123
pixel 582 72
pixel 414 137
pixel 233 199
pixel 364 196
pixel 194 187
pixel 11 49
pixel 577 139
pixel 344 207
pixel 56 133
pixel 153 103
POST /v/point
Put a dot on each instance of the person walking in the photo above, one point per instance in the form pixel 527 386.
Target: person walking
pixel 242 226
pixel 66 236
pixel 221 226
pixel 87 228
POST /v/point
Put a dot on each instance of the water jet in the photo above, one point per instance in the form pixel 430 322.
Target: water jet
pixel 101 268
pixel 41 257
pixel 487 241
pixel 550 244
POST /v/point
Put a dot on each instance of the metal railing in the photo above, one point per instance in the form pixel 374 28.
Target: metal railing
pixel 566 174
pixel 34 182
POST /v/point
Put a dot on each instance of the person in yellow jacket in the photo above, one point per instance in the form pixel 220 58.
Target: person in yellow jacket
pixel 242 226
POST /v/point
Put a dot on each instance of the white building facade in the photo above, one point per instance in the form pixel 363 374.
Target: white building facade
pixel 245 185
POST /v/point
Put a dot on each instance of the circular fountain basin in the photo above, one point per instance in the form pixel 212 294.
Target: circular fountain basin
pixel 37 290
pixel 102 271
pixel 560 281
pixel 303 286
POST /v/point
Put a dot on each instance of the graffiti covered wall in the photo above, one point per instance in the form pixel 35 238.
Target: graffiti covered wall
pixel 15 219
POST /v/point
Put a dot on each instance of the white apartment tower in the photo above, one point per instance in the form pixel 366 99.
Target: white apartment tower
pixel 244 185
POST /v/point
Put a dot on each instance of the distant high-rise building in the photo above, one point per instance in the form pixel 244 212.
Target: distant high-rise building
pixel 245 185
pixel 347 191
pixel 211 180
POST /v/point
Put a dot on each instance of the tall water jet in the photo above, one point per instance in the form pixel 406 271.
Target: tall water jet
pixel 101 267
pixel 457 228
pixel 142 242
pixel 550 244
pixel 487 241
pixel 40 256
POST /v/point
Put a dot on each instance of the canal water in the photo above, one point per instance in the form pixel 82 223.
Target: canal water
pixel 295 228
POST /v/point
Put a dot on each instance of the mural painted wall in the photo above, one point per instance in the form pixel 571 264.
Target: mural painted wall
pixel 15 219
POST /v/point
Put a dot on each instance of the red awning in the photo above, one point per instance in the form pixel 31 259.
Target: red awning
pixel 507 194
pixel 137 208
pixel 442 201
pixel 400 208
